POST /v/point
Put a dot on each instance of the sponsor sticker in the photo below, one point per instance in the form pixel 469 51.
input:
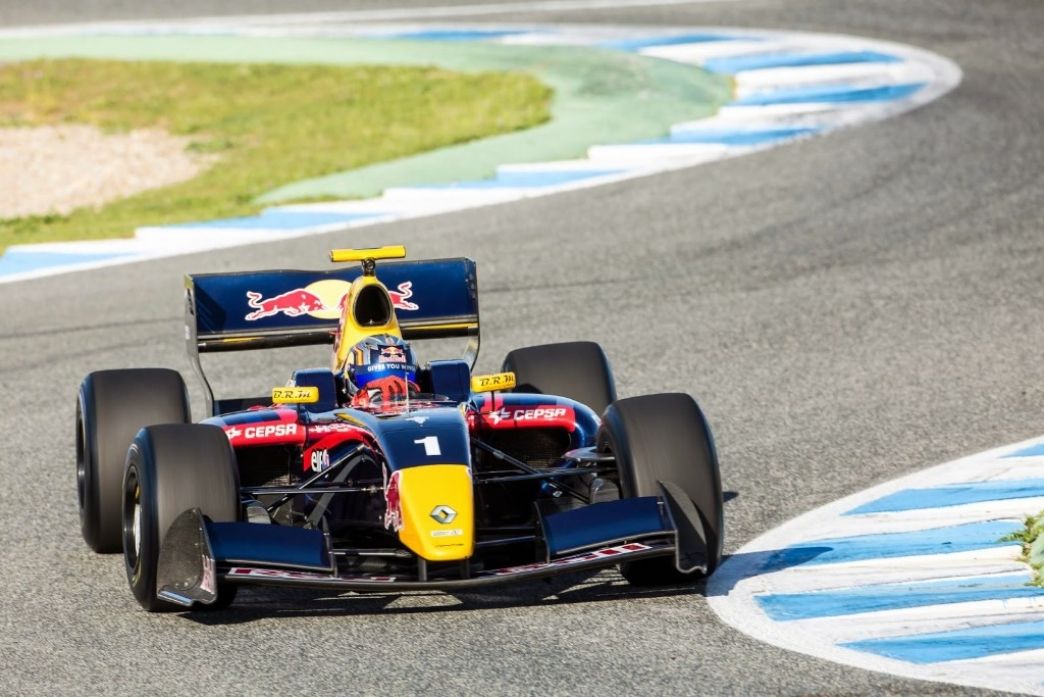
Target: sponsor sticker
pixel 492 382
pixel 270 431
pixel 393 506
pixel 295 395
pixel 262 432
pixel 208 583
pixel 567 561
pixel 319 460
pixel 241 571
pixel 443 514
pixel 334 427
pixel 545 414
pixel 392 354
pixel 322 300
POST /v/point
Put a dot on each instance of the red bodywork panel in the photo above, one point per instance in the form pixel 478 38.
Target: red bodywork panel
pixel 278 425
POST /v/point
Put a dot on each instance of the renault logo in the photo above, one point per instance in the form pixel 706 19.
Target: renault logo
pixel 443 514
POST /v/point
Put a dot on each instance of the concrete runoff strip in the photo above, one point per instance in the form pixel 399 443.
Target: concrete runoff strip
pixel 601 96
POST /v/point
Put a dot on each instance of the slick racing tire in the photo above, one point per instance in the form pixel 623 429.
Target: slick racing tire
pixel 173 468
pixel 112 406
pixel 665 437
pixel 578 370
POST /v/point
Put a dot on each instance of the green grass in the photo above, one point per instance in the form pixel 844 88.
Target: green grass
pixel 268 124
pixel 1031 537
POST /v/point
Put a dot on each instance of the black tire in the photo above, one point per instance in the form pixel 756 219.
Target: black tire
pixel 665 437
pixel 578 370
pixel 112 406
pixel 171 469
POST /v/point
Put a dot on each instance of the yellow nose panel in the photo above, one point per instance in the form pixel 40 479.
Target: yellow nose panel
pixel 438 519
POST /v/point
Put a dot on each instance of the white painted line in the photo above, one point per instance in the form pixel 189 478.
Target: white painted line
pixel 638 155
pixel 366 206
pixel 556 166
pixel 850 74
pixel 943 618
pixel 699 53
pixel 450 197
pixel 938 567
pixel 902 521
pixel 549 39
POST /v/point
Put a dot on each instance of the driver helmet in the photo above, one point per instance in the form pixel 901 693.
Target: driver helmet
pixel 377 358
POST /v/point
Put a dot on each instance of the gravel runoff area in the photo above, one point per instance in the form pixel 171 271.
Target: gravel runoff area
pixel 56 169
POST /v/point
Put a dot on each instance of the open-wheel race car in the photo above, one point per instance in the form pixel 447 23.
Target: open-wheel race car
pixel 379 473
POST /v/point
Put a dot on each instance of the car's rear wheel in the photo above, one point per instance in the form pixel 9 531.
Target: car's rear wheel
pixel 111 407
pixel 578 370
pixel 171 469
pixel 665 437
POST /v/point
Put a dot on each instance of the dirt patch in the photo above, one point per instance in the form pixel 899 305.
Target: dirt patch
pixel 56 169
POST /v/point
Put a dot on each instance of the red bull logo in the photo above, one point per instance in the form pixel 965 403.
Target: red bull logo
pixel 292 303
pixel 401 299
pixel 393 507
pixel 322 300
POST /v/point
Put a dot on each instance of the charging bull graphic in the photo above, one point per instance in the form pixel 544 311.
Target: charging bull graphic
pixel 322 300
pixel 292 303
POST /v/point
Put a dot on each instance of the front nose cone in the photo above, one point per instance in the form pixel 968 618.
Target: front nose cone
pixel 437 511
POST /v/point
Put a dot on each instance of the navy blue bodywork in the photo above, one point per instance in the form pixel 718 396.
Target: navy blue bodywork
pixel 532 458
pixel 442 290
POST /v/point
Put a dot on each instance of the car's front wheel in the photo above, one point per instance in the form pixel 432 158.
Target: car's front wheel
pixel 665 437
pixel 171 469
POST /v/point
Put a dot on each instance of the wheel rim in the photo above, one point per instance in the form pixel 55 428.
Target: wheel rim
pixel 132 520
pixel 136 528
pixel 81 462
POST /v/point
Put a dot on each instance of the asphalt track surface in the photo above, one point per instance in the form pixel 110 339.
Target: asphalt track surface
pixel 847 309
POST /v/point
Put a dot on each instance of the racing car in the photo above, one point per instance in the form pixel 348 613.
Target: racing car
pixel 379 473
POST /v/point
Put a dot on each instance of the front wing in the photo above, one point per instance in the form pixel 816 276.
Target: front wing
pixel 198 555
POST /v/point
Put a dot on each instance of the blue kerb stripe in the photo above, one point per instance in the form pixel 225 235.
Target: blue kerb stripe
pixel 738 137
pixel 21 262
pixel 947 540
pixel 674 40
pixel 281 220
pixel 896 596
pixel 830 94
pixel 534 179
pixel 977 642
pixel 454 34
pixel 953 495
pixel 760 61
pixel 1032 451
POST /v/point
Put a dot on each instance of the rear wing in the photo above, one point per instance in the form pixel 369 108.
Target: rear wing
pixel 433 299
